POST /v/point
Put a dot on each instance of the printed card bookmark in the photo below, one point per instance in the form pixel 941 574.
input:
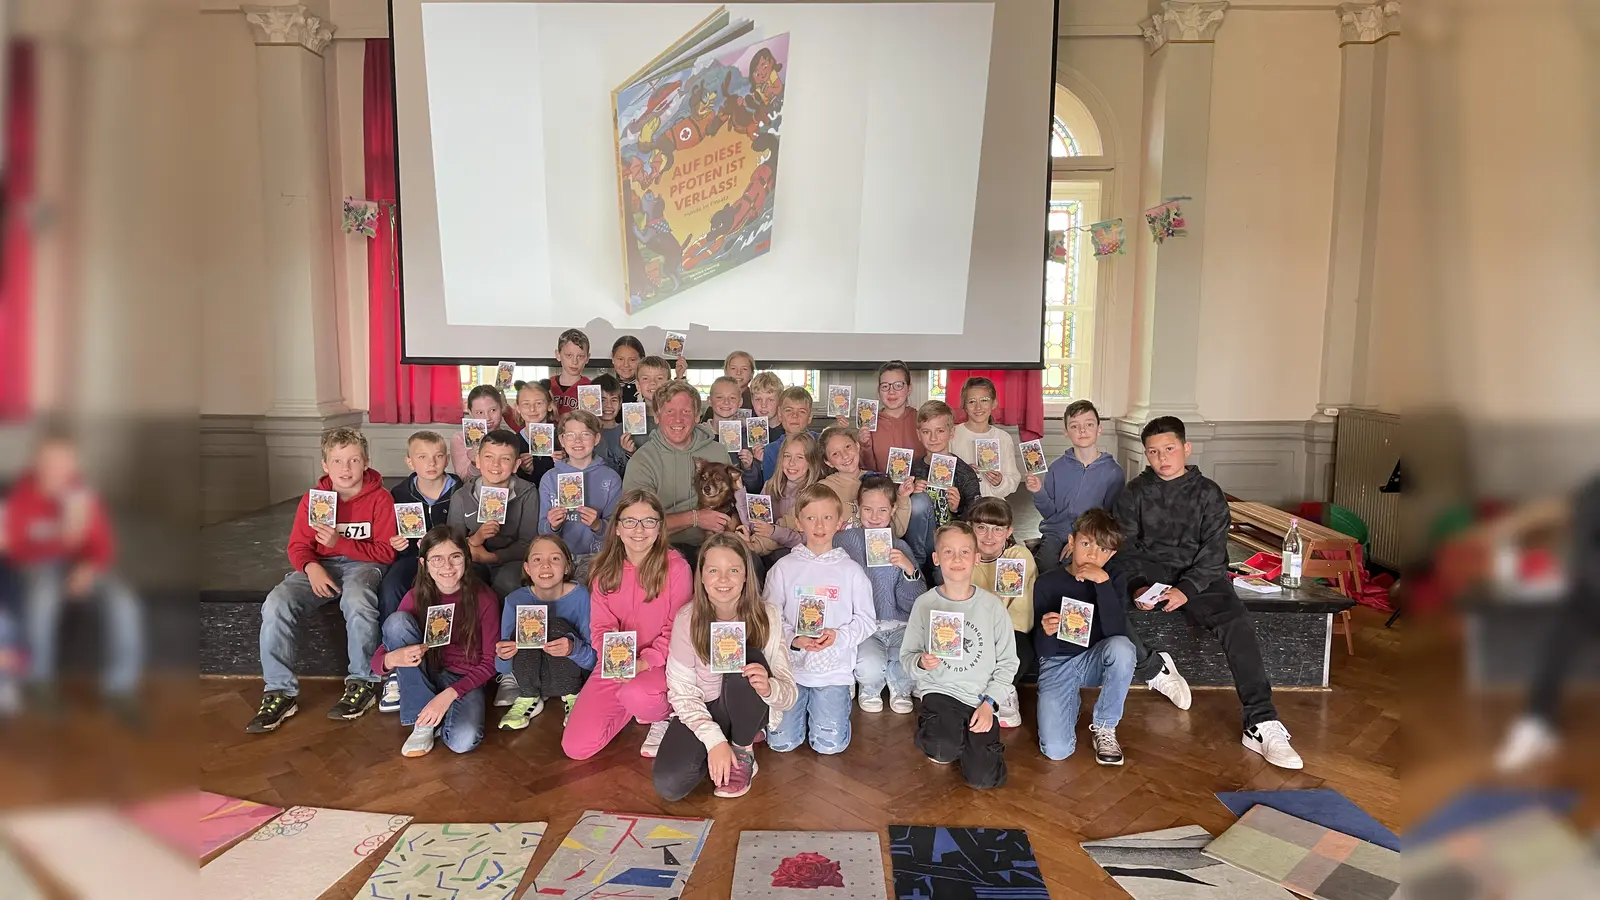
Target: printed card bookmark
pixel 533 626
pixel 440 623
pixel 944 634
pixel 727 648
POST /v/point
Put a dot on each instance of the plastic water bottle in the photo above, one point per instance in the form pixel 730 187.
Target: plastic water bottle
pixel 1293 556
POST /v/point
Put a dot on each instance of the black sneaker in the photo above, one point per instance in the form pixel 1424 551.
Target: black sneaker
pixel 359 696
pixel 275 707
pixel 1107 752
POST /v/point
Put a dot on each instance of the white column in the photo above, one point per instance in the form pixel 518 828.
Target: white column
pixel 299 229
pixel 1182 38
pixel 1364 41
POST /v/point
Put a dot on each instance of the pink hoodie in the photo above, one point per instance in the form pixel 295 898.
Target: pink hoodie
pixel 626 609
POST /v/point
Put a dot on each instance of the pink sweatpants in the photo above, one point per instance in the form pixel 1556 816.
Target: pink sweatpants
pixel 605 707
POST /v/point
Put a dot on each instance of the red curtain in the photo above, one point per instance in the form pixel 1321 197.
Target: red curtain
pixel 16 242
pixel 1019 397
pixel 395 392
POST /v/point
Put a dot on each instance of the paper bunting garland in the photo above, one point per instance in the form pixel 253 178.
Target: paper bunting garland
pixel 1166 220
pixel 1107 237
pixel 360 217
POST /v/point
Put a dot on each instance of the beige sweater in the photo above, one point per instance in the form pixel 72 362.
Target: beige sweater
pixel 691 684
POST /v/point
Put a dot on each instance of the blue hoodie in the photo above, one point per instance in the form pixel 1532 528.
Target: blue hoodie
pixel 1072 489
pixel 893 592
pixel 572 606
pixel 602 488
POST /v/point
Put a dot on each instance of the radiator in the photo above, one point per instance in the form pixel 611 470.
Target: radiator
pixel 1367 447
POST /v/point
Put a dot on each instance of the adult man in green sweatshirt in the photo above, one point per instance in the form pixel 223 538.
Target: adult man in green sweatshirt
pixel 665 466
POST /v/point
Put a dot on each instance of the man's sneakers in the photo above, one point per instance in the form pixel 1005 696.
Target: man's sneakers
pixel 420 742
pixel 521 713
pixel 742 772
pixel 1107 752
pixel 358 697
pixel 390 701
pixel 652 741
pixel 1170 684
pixel 1271 740
pixel 505 692
pixel 900 703
pixel 872 704
pixel 275 707
pixel 1010 714
pixel 1530 742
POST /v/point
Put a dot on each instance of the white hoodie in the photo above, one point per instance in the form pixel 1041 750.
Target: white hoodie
pixel 847 608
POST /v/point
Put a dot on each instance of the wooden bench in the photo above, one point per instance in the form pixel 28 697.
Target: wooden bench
pixel 1328 554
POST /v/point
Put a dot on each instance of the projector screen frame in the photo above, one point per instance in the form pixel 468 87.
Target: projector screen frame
pixel 398 245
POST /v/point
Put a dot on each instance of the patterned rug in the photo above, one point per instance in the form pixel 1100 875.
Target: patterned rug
pixel 1321 806
pixel 1168 865
pixel 456 861
pixel 298 855
pixel 827 865
pixel 940 863
pixel 622 855
pixel 221 820
pixel 1308 859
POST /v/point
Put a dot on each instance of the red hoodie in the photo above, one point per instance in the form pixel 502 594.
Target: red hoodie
pixel 365 526
pixel 33 528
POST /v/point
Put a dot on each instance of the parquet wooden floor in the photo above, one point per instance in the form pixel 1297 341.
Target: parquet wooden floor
pixel 1175 761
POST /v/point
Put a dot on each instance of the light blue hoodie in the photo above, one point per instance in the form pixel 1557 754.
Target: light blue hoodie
pixel 602 488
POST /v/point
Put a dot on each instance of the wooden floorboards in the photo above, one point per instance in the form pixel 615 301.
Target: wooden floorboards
pixel 1175 761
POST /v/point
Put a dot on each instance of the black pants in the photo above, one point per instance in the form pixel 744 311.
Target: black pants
pixel 1579 620
pixel 741 714
pixel 1027 658
pixel 942 735
pixel 541 675
pixel 1219 611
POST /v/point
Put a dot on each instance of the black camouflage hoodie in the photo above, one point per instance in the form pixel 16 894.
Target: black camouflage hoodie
pixel 1175 532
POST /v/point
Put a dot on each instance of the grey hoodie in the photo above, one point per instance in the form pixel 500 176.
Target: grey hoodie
pixel 522 518
pixel 668 472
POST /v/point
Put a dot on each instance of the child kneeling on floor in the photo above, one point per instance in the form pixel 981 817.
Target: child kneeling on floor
pixel 563 664
pixel 1083 650
pixel 717 716
pixel 822 592
pixel 441 688
pixel 895 589
pixel 958 688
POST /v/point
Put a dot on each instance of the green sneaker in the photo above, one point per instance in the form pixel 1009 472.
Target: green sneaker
pixel 568 701
pixel 521 713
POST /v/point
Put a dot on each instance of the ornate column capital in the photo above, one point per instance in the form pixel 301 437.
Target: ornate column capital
pixel 1366 23
pixel 288 25
pixel 1188 21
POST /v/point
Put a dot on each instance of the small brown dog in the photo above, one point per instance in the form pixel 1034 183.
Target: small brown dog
pixel 717 486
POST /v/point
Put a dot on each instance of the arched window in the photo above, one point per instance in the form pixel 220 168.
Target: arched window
pixel 1070 286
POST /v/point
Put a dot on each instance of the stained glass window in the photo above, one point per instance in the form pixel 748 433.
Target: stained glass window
pixel 1061 142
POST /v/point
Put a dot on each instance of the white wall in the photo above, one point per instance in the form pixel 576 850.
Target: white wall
pixel 1399 373
pixel 236 325
pixel 1274 123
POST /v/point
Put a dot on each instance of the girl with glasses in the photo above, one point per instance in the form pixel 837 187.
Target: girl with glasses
pixel 638 583
pixel 441 689
pixel 897 419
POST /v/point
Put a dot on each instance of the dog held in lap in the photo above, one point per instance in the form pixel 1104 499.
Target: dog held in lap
pixel 717 485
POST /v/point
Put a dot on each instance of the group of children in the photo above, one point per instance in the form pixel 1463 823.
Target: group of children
pixel 862 578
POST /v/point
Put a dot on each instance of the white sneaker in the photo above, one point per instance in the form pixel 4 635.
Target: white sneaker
pixel 420 742
pixel 900 703
pixel 389 700
pixel 1010 716
pixel 873 704
pixel 1170 684
pixel 652 741
pixel 506 693
pixel 1271 740
pixel 1530 742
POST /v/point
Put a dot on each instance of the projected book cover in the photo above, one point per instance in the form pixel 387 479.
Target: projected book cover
pixel 697 156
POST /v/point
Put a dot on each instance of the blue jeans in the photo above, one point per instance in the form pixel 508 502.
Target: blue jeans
pixel 358 600
pixel 1108 664
pixel 878 662
pixel 462 726
pixel 919 532
pixel 44 590
pixel 397 579
pixel 823 712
